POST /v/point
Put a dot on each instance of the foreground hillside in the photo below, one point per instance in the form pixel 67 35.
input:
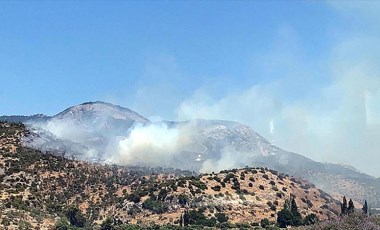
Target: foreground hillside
pixel 38 189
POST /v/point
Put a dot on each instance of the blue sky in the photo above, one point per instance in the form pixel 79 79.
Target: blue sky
pixel 60 53
pixel 309 68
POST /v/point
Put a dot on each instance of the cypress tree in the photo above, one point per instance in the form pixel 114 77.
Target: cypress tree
pixel 297 218
pixel 351 207
pixel 186 218
pixel 365 208
pixel 343 206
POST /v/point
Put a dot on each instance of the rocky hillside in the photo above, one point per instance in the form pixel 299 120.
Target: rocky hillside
pixel 37 190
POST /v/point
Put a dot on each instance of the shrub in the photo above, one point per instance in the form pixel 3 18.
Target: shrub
pixel 194 217
pixel 264 223
pixel 221 217
pixel 216 188
pixel 279 194
pixel 228 177
pixel 107 224
pixel 284 218
pixel 75 217
pixel 156 206
pixel 182 199
pixel 271 205
pixel 62 224
pixel 134 197
pixel 311 219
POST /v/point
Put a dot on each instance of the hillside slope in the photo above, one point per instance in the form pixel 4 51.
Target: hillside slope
pixel 93 131
pixel 36 189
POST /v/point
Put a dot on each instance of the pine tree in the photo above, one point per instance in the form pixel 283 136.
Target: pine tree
pixel 351 207
pixel 343 206
pixel 365 208
pixel 297 218
pixel 289 215
pixel 284 218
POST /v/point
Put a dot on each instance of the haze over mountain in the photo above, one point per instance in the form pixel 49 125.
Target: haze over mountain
pixel 102 132
pixel 310 69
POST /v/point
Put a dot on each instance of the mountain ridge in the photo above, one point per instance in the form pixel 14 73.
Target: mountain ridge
pixel 210 140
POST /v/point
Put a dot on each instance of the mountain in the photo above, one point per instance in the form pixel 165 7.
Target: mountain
pixel 99 112
pixel 83 130
pixel 20 118
pixel 236 145
pixel 37 190
pixel 102 132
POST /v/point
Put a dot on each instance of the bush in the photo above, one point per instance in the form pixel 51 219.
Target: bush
pixel 155 206
pixel 134 197
pixel 221 217
pixel 279 194
pixel 264 223
pixel 228 177
pixel 216 188
pixel 194 217
pixel 62 224
pixel 271 205
pixel 311 219
pixel 284 218
pixel 75 216
pixel 107 224
pixel 182 199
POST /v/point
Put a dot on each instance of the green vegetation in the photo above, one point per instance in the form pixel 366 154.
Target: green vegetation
pixel 221 217
pixel 107 224
pixel 290 215
pixel 75 217
pixel 264 223
pixel 365 208
pixel 155 205
pixel 196 217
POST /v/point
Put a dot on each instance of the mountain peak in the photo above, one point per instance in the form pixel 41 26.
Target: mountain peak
pixel 100 109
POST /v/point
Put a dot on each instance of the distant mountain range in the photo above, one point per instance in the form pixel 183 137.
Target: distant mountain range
pixel 21 118
pixel 92 130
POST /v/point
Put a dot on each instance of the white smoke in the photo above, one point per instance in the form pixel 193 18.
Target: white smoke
pixel 150 144
pixel 337 122
pixel 154 145
pixel 324 105
pixel 229 159
pixel 195 145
